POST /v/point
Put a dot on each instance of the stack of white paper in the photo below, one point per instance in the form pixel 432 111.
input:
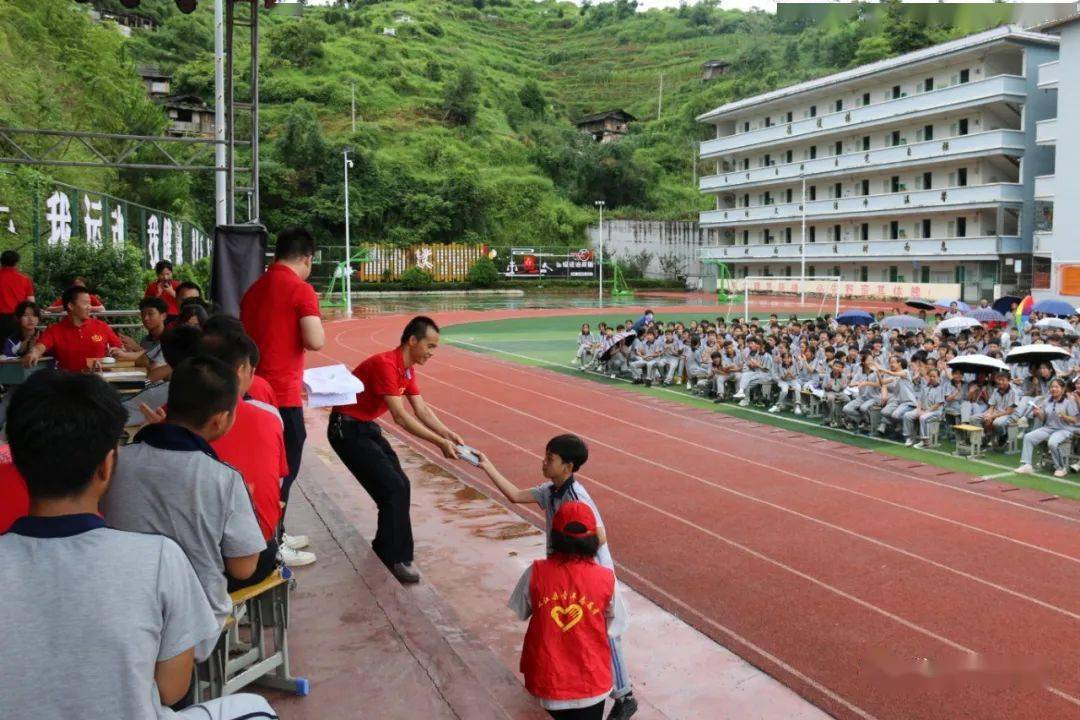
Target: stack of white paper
pixel 331 385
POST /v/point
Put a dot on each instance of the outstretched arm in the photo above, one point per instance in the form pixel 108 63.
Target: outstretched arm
pixel 408 421
pixel 431 420
pixel 513 493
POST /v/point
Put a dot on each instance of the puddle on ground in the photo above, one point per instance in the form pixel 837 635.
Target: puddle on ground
pixel 504 530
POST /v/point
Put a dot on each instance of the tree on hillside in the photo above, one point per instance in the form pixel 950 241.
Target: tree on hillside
pixel 532 98
pixel 300 43
pixel 301 146
pixel 461 99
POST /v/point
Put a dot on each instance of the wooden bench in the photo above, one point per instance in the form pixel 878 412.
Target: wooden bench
pixel 261 614
pixel 969 440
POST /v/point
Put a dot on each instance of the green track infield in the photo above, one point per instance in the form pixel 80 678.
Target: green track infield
pixel 550 342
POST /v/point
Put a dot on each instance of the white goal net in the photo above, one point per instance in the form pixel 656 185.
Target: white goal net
pixel 800 295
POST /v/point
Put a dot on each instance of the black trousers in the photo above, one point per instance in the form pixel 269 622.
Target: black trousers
pixel 292 419
pixel 371 460
pixel 593 712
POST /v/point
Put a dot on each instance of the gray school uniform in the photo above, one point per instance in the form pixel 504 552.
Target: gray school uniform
pixel 1055 432
pixel 87 612
pixel 550 500
pixel 152 348
pixel 170 482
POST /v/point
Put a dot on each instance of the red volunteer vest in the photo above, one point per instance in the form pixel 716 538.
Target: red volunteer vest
pixel 566 655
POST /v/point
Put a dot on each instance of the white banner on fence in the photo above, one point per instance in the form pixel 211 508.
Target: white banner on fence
pixel 853 289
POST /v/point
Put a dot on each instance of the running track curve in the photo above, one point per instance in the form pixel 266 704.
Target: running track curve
pixel 876 587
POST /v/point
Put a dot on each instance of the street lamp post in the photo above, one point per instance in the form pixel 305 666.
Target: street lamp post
pixel 348 250
pixel 802 251
pixel 600 259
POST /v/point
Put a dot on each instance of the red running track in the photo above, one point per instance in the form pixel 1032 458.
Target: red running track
pixel 874 586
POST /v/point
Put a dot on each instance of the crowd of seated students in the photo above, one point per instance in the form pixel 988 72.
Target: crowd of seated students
pixel 864 378
pixel 146 539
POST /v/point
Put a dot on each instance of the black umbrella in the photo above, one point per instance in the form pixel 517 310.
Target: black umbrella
pixel 920 304
pixel 1037 353
pixel 615 340
pixel 1004 304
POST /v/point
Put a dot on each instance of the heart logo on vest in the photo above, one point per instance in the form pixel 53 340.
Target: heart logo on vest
pixel 567 617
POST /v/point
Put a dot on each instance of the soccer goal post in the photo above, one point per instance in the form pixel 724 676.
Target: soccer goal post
pixel 818 294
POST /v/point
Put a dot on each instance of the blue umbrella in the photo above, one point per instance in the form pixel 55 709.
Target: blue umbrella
pixel 1004 304
pixel 903 322
pixel 985 315
pixel 854 317
pixel 946 304
pixel 1054 307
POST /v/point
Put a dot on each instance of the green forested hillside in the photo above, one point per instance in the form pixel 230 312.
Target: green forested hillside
pixel 464 116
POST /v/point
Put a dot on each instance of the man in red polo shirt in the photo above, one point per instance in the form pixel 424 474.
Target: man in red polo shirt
pixel 78 337
pixel 280 312
pixel 389 378
pixel 14 288
pixel 165 287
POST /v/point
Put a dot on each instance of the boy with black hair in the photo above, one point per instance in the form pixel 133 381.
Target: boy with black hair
pixel 563 456
pixel 153 312
pixel 170 481
pixel 75 591
pixel 177 345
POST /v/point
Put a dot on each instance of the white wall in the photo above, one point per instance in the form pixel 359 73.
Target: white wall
pixel 1065 248
pixel 623 238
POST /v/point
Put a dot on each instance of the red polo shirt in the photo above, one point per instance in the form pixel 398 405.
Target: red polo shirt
pixel 260 390
pixel 73 346
pixel 255 446
pixel 382 374
pixel 154 290
pixel 14 499
pixel 14 288
pixel 271 311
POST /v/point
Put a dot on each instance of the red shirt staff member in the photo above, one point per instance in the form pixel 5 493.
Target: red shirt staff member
pixel 164 287
pixel 15 287
pixel 78 337
pixel 389 379
pixel 280 312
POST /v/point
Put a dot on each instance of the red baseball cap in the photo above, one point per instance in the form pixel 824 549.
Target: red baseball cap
pixel 575 519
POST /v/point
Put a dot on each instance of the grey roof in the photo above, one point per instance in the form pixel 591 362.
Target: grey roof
pixel 151 71
pixel 616 113
pixel 715 63
pixel 934 52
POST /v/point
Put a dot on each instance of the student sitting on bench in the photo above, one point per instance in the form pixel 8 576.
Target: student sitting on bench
pixel 99 624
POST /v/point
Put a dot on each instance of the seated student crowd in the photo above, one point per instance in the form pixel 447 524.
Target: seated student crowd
pixel 855 374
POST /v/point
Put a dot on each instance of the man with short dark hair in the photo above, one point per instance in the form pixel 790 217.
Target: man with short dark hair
pixel 104 620
pixel 389 378
pixel 280 312
pixel 187 289
pixel 78 337
pixel 153 311
pixel 170 481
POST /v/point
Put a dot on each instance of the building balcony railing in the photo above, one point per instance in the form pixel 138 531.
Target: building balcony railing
pixel 1045 187
pixel 924 249
pixel 935 151
pixel 1046 132
pixel 898 203
pixel 1049 74
pixel 999 88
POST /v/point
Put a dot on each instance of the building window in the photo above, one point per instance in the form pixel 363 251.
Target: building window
pixel 787 271
pixel 894 230
pixel 813 152
pixel 839 105
pixel 787 235
pixel 788 195
pixel 928 132
pixel 894 139
pixel 836 270
pixel 865 99
pixel 965 75
pixel 927 181
pixel 813 192
pixel 894 276
pixel 961 227
pixel 836 233
pixel 767 160
pixel 838 190
pixel 838 148
pixel 895 92
pixel 894 183
pixel 789 116
pixel 864 274
pixel 746 200
pixel 768 198
pixel 928 84
pixel 813 111
pixel 810 271
pixel 768 121
pixel 925 274
pixel 961 177
pixel 866 142
pixel 812 234
pixel 746 164
pixel 865 187
pixel 789 156
pixel 745 237
pixel 864 231
pixel 962 127
pixel 926 227
pixel 746 126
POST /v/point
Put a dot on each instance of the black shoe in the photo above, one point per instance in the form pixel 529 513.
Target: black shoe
pixel 638 381
pixel 648 383
pixel 405 572
pixel 623 708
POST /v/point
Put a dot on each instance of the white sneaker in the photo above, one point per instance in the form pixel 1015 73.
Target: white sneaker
pixel 744 402
pixel 612 376
pixel 296 542
pixel 1024 470
pixel 909 442
pixel 688 387
pixel 739 395
pixel 1075 467
pixel 774 409
pixel 919 445
pixel 295 558
pixel 1060 473
pixel 798 409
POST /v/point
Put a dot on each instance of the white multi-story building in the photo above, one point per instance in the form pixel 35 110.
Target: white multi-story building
pixel 1056 250
pixel 916 169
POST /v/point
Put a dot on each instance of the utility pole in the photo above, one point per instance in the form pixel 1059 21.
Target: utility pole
pixel 221 188
pixel 600 289
pixel 348 251
pixel 353 88
pixel 693 160
pixel 660 97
